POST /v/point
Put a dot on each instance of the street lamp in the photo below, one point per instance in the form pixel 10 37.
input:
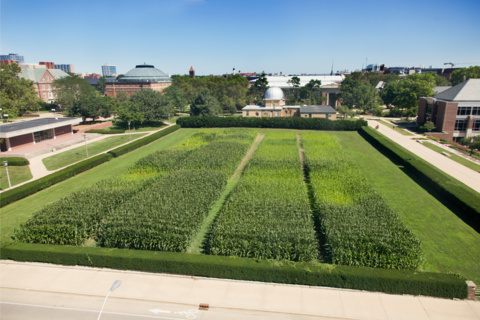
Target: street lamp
pixel 129 130
pixel 115 285
pixel 1 114
pixel 86 149
pixel 6 169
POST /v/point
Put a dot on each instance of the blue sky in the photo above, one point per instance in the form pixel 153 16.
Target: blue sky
pixel 214 36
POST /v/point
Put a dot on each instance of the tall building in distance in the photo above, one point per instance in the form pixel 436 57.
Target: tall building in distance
pixel 192 72
pixel 109 71
pixel 12 56
pixel 65 67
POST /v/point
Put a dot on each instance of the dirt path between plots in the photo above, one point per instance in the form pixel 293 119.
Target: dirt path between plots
pixel 247 157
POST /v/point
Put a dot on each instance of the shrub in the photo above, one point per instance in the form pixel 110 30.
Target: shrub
pixel 56 177
pixel 144 141
pixel 461 196
pixel 283 123
pixel 380 280
pixel 15 161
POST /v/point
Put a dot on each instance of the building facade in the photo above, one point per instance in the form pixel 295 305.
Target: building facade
pixel 43 81
pixel 455 111
pixel 48 65
pixel 274 106
pixel 109 71
pixel 65 67
pixel 143 77
pixel 12 56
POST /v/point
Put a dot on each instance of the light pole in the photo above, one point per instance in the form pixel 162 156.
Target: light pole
pixel 1 114
pixel 115 285
pixel 6 169
pixel 86 149
pixel 6 117
pixel 129 130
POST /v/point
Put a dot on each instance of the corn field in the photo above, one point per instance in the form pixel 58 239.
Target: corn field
pixel 359 227
pixel 268 215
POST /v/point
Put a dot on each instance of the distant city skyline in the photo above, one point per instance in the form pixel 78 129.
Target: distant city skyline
pixel 215 36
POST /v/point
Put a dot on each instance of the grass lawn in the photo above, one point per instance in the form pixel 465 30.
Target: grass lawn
pixel 12 215
pixel 449 245
pixel 68 157
pixel 465 162
pixel 18 174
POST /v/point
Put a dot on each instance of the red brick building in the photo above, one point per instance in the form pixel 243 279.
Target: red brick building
pixel 43 81
pixel 455 111
pixel 142 77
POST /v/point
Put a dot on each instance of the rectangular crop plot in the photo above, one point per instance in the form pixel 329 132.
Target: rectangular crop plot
pixel 358 226
pixel 267 215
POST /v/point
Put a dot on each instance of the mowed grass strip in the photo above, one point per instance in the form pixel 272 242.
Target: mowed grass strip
pixel 18 174
pixel 12 215
pixel 71 156
pixel 464 162
pixel 448 243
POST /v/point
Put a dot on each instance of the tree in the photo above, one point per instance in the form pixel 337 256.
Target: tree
pixel 259 88
pixel 175 98
pixel 205 105
pixel 17 95
pixel 347 91
pixel 460 75
pixel 428 126
pixel 294 82
pixel 364 96
pixel 101 85
pixel 130 112
pixel 153 104
pixel 87 107
pixel 70 89
pixel 121 96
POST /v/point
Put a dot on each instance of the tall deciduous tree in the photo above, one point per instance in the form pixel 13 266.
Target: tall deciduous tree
pixel 70 89
pixel 205 105
pixel 88 106
pixel 153 105
pixel 175 98
pixel 460 75
pixel 17 95
pixel 130 112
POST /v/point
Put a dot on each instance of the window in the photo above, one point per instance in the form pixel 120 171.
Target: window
pixel 48 78
pixel 266 113
pixel 256 113
pixel 276 113
pixel 246 113
pixel 306 115
pixel 476 125
pixel 309 115
pixel 43 87
pixel 49 94
pixel 464 111
pixel 44 95
pixel 475 111
pixel 460 125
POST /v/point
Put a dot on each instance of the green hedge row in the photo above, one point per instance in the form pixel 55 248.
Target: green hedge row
pixel 265 122
pixel 141 142
pixel 56 177
pixel 461 196
pixel 379 280
pixel 106 131
pixel 15 161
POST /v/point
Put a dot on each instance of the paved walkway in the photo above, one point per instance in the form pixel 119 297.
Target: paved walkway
pixel 26 282
pixel 454 169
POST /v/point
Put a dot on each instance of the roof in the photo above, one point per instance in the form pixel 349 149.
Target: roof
pixel 380 85
pixel 274 93
pixel 317 109
pixel 24 127
pixel 281 81
pixel 439 89
pixel 191 68
pixel 466 91
pixel 144 73
pixel 36 75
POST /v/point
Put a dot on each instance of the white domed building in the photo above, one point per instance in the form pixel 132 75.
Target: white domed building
pixel 274 106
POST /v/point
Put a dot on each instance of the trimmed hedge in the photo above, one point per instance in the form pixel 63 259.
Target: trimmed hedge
pixel 15 161
pixel 56 177
pixel 380 280
pixel 461 196
pixel 141 142
pixel 264 122
pixel 106 131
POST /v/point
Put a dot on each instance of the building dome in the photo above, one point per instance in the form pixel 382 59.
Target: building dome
pixel 274 93
pixel 144 73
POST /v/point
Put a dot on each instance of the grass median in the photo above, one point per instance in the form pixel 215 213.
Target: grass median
pixel 18 174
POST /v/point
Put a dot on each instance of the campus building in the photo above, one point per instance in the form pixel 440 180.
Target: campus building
pixel 43 81
pixel 65 67
pixel 12 56
pixel 274 106
pixel 143 77
pixel 455 111
pixel 109 71
pixel 20 134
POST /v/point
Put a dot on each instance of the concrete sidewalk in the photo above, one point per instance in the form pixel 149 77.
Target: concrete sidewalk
pixel 25 280
pixel 452 168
